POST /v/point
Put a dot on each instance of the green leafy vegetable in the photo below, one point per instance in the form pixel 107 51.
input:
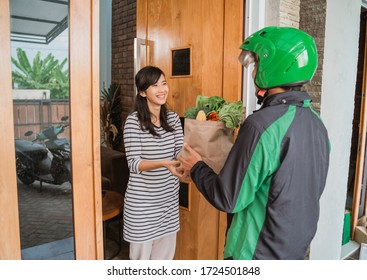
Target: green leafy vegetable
pixel 231 114
pixel 228 112
pixel 213 103
pixel 191 113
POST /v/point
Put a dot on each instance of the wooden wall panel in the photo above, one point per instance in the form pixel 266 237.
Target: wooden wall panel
pixel 96 206
pixel 141 15
pixel 84 128
pixel 233 37
pixel 183 24
pixel 9 219
pixel 211 60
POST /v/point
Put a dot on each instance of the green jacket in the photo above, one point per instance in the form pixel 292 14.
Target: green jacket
pixel 272 180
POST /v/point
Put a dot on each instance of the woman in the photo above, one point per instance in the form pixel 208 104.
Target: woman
pixel 153 138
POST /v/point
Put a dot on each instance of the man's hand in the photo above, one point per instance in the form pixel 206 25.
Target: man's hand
pixel 188 158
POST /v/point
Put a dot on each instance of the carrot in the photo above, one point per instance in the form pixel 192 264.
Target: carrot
pixel 213 116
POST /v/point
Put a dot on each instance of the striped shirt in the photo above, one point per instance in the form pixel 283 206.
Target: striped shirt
pixel 151 207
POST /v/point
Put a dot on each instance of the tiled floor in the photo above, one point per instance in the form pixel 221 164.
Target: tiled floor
pixel 56 250
pixel 350 251
pixel 46 224
pixel 45 215
pixel 64 249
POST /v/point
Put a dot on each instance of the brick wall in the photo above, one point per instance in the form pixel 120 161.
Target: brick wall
pixel 282 12
pixel 312 21
pixel 123 34
pixel 307 15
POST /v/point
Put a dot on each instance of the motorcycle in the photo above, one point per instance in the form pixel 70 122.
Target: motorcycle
pixel 46 158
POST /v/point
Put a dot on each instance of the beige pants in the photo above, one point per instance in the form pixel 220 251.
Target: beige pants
pixel 158 249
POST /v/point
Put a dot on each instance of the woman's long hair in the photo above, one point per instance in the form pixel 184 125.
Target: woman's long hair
pixel 146 77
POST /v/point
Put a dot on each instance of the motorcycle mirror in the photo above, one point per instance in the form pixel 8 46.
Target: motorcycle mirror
pixel 28 133
pixel 64 118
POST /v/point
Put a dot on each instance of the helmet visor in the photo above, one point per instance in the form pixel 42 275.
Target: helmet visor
pixel 246 58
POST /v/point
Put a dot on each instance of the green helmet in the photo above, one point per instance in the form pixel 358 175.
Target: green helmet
pixel 286 56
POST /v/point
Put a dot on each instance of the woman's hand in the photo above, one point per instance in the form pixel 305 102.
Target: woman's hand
pixel 172 166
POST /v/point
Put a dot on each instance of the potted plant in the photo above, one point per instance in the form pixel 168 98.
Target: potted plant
pixel 111 119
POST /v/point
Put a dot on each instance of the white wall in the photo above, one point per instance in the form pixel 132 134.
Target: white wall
pixel 254 21
pixel 337 106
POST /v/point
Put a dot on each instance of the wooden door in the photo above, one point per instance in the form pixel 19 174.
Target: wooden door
pixel 9 220
pixel 213 31
pixel 85 134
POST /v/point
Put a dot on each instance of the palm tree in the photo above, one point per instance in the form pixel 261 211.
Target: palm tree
pixel 45 73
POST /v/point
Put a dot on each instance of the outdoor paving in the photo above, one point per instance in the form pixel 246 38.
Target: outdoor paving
pixel 45 215
pixel 46 221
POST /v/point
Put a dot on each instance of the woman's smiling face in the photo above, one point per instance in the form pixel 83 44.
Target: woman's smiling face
pixel 157 93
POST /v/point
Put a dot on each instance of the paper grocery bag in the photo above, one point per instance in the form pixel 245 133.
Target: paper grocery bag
pixel 211 139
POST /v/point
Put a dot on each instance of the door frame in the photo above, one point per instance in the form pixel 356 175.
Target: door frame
pixel 84 129
pixel 360 181
pixel 9 220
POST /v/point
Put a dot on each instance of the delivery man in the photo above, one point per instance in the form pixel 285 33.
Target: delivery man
pixel 276 171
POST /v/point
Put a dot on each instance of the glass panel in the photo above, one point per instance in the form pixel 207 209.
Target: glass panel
pixel 40 76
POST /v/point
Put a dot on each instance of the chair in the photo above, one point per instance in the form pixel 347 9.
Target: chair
pixel 114 169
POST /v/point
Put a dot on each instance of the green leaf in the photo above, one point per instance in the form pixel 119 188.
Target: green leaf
pixel 45 73
pixel 231 114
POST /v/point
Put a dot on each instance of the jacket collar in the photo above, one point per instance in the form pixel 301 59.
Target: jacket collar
pixel 288 97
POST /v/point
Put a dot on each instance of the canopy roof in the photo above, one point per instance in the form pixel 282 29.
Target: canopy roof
pixel 37 21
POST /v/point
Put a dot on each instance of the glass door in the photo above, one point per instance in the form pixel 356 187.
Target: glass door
pixel 40 89
pixel 84 130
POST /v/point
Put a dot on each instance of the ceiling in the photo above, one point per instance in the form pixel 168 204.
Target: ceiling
pixel 37 21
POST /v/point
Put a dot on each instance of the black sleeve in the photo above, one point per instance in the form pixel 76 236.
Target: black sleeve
pixel 210 185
